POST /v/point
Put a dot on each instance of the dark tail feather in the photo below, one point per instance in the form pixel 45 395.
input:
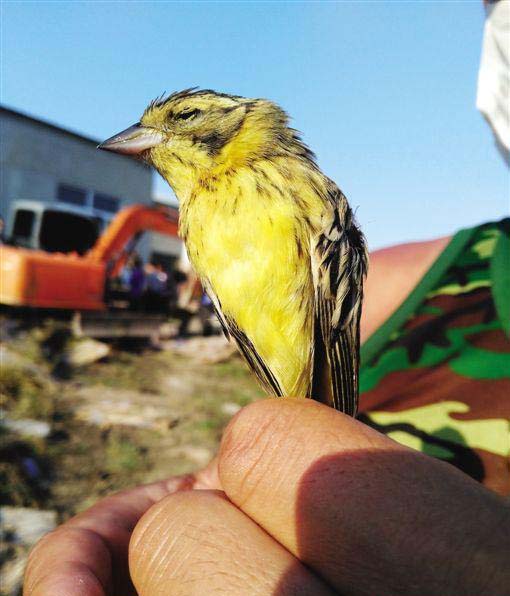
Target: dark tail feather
pixel 335 366
pixel 344 372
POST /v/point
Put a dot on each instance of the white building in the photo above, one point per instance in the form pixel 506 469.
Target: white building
pixel 53 180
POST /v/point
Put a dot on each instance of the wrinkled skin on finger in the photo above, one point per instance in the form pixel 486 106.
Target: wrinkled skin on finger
pixel 197 542
pixel 88 556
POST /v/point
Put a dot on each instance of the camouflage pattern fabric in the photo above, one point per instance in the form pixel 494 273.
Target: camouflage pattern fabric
pixel 436 375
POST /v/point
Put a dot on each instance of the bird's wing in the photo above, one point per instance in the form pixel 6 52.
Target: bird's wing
pixel 339 264
pixel 246 347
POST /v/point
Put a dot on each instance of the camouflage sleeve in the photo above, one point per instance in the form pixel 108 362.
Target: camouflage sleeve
pixel 436 375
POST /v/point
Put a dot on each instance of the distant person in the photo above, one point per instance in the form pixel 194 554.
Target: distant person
pixel 156 287
pixel 125 275
pixel 185 306
pixel 180 279
pixel 172 287
pixel 157 278
pixel 206 313
pixel 136 283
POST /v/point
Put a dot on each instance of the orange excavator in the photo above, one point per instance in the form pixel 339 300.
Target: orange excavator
pixel 39 279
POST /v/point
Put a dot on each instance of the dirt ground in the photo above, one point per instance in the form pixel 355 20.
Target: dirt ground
pixel 137 415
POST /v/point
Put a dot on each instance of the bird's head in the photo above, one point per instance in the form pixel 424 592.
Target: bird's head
pixel 194 133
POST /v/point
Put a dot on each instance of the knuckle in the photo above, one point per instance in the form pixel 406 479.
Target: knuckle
pixel 254 444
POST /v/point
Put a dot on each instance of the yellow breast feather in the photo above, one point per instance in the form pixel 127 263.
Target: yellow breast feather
pixel 244 244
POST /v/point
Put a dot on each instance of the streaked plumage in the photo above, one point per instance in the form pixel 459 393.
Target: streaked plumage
pixel 272 239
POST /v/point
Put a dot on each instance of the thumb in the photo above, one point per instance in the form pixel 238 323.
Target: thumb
pixel 197 542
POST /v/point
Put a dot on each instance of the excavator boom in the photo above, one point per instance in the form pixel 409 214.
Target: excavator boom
pixel 126 225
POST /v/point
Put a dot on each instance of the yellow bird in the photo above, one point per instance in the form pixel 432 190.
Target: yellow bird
pixel 272 239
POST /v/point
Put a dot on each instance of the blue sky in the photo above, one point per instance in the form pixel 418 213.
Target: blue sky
pixel 384 92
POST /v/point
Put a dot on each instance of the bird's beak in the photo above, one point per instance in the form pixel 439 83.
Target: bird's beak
pixel 133 140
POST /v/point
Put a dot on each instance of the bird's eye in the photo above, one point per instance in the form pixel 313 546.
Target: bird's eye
pixel 187 115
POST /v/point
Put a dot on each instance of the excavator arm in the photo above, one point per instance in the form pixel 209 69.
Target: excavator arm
pixel 129 223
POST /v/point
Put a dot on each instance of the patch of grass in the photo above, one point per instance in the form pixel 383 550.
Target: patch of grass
pixel 123 370
pixel 209 424
pixel 121 455
pixel 25 394
pixel 233 369
pixel 244 400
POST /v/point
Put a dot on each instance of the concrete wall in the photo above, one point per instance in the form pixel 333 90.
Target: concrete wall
pixel 35 157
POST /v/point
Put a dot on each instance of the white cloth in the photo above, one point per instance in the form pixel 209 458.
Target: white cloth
pixel 494 75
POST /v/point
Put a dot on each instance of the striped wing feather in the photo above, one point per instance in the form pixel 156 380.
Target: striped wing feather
pixel 339 264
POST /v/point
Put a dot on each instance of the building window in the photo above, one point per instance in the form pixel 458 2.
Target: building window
pixel 71 194
pixel 105 202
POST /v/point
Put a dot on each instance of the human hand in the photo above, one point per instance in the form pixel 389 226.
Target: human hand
pixel 317 503
pixel 88 555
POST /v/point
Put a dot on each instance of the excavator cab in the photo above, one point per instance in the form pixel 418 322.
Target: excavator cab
pixel 55 228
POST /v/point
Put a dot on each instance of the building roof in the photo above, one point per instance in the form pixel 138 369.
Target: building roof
pixel 58 129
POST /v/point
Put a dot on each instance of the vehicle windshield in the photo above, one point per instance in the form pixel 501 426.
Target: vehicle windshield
pixel 67 232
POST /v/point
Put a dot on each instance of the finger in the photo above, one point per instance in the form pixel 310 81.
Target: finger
pixel 69 561
pixel 208 477
pixel 352 504
pixel 88 554
pixel 197 542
